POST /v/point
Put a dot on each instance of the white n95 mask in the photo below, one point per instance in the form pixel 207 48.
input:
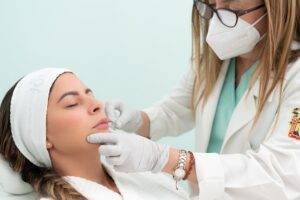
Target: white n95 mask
pixel 231 42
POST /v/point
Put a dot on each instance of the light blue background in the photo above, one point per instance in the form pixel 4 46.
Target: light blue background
pixel 131 50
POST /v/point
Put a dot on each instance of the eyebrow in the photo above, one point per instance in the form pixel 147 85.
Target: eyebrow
pixel 227 1
pixel 73 93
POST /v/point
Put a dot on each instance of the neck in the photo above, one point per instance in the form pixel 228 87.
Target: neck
pixel 87 166
pixel 244 62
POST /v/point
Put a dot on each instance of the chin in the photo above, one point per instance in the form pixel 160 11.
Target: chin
pixel 104 131
pixel 90 145
pixel 100 131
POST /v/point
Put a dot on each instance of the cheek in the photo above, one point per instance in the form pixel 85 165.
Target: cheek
pixel 68 131
pixel 75 120
pixel 66 122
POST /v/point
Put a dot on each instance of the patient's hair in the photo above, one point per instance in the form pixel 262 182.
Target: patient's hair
pixel 46 182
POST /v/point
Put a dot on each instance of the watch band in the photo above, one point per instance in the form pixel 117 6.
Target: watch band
pixel 179 171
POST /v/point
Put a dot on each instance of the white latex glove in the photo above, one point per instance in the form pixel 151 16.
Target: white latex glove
pixel 131 152
pixel 123 118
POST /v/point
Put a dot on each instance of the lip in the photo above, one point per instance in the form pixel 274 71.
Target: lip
pixel 102 124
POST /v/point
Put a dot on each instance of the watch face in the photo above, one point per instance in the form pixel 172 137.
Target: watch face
pixel 179 173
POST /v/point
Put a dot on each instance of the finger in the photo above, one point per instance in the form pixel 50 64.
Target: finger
pixel 124 119
pixel 114 160
pixel 121 168
pixel 103 138
pixel 110 109
pixel 110 150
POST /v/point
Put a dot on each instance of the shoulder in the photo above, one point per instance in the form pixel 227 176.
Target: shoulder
pixel 292 75
pixel 291 82
pixel 293 71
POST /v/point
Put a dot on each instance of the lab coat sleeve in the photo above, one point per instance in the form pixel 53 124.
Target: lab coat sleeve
pixel 173 114
pixel 270 173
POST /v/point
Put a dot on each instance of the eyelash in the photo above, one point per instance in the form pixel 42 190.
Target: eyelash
pixel 72 105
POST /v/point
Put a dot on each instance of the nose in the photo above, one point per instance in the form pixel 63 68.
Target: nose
pixel 95 106
pixel 220 4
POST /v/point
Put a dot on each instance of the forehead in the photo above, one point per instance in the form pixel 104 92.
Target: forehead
pixel 224 1
pixel 243 4
pixel 66 82
pixel 66 79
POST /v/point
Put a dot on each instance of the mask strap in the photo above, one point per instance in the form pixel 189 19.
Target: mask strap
pixel 262 37
pixel 257 21
pixel 265 34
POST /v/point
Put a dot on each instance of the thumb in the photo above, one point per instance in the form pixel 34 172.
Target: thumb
pixel 103 138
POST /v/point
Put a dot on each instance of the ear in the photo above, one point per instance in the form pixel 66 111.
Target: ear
pixel 49 144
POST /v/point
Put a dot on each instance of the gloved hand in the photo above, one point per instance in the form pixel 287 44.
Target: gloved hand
pixel 123 118
pixel 131 152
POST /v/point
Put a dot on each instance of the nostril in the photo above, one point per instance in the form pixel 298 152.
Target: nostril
pixel 96 109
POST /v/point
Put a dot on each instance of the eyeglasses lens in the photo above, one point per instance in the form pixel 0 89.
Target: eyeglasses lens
pixel 204 10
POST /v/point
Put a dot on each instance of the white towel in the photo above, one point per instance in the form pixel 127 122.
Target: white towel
pixel 28 114
pixel 10 181
pixel 28 123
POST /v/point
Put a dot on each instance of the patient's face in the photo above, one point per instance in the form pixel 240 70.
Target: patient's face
pixel 73 114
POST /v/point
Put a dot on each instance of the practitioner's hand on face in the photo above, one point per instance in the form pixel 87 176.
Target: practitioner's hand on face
pixel 131 152
pixel 122 117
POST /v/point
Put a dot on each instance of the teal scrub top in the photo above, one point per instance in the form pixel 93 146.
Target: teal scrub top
pixel 228 100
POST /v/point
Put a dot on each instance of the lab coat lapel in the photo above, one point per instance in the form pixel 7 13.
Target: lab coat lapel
pixel 245 111
pixel 242 115
pixel 208 112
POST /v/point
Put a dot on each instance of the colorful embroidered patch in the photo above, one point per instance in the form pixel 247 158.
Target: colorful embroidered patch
pixel 295 125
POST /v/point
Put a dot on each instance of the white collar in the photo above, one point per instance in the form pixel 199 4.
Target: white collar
pixel 295 45
pixel 93 190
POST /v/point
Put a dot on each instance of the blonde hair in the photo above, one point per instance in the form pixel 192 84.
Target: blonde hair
pixel 282 15
pixel 46 182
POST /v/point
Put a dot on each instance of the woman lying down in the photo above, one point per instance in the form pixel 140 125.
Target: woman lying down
pixel 44 122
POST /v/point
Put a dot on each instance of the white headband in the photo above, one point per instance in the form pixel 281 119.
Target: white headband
pixel 28 114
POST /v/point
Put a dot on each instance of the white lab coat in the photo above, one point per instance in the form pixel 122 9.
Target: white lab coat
pixel 262 163
pixel 135 186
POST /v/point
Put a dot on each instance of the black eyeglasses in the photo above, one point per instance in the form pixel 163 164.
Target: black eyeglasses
pixel 228 17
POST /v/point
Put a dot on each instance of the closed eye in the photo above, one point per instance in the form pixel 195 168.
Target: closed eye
pixel 72 105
